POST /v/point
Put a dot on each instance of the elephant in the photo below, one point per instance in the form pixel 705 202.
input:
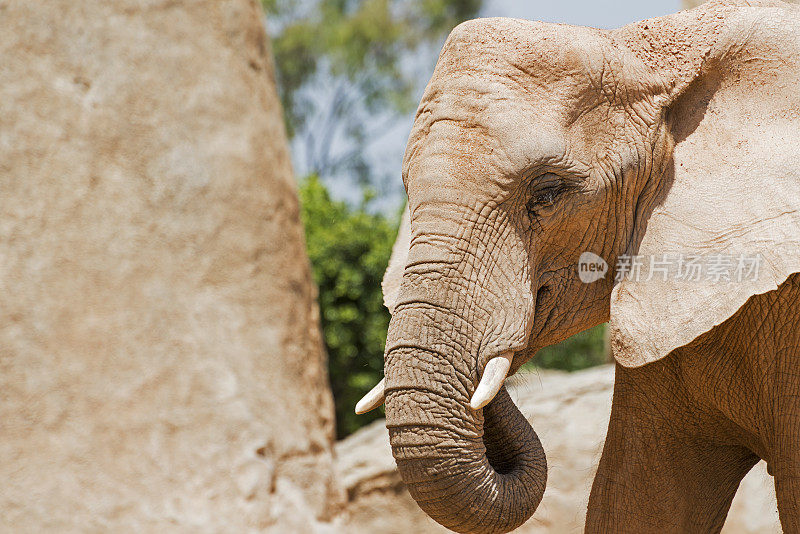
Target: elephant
pixel 672 141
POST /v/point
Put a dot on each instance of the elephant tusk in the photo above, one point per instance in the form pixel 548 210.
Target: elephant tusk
pixel 373 399
pixel 492 380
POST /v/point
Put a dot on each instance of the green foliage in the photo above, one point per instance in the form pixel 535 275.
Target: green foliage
pixel 582 350
pixel 349 249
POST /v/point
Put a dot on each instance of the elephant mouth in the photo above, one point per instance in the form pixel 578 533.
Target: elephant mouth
pixel 542 294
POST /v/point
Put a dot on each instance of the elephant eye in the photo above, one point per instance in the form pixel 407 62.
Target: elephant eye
pixel 545 190
pixel 545 198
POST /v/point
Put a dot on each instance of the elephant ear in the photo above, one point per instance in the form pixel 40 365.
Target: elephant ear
pixel 731 193
pixel 397 263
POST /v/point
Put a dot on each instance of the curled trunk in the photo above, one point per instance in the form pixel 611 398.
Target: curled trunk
pixel 475 471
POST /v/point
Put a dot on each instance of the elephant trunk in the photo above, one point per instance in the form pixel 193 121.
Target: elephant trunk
pixel 476 471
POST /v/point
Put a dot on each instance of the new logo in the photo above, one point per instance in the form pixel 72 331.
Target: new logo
pixel 591 267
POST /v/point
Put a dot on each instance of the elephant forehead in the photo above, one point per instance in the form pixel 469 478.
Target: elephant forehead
pixel 491 148
pixel 485 132
pixel 506 96
pixel 541 52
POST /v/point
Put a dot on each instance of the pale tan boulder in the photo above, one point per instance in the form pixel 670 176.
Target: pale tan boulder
pixel 161 367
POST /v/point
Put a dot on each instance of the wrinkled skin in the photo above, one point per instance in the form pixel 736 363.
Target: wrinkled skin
pixel 534 143
pixel 724 401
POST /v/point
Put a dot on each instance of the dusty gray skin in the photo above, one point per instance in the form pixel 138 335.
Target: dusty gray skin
pixel 534 143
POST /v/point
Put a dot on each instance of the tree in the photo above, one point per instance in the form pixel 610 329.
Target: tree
pixel 345 74
pixel 349 249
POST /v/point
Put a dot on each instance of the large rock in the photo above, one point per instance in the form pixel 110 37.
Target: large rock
pixel 160 361
pixel 570 413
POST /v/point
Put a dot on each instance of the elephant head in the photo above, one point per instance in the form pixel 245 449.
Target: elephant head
pixel 534 145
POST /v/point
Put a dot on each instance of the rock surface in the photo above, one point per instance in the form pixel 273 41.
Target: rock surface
pixel 570 413
pixel 161 366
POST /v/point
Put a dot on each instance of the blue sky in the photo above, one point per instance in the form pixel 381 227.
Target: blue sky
pixel 387 153
pixel 599 14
